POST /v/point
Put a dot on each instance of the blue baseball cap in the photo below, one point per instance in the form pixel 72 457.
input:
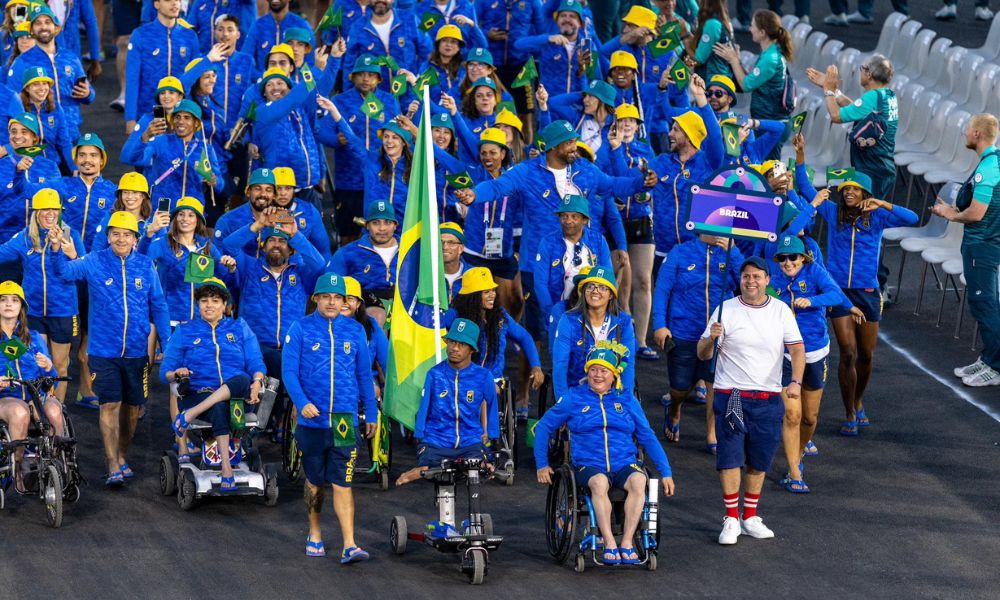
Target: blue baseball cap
pixel 331 283
pixel 464 331
pixel 755 261
pixel 271 232
pixel 574 203
pixel 480 55
pixel 261 176
pixel 366 63
pixel 558 132
pixel 381 209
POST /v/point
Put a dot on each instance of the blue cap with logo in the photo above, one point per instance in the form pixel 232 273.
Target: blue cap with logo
pixel 464 331
pixel 381 209
pixel 331 283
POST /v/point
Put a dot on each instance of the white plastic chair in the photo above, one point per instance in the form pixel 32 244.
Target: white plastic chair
pixel 918 239
pixel 904 42
pixel 799 34
pixel 990 50
pixel 907 153
pixel 789 21
pixel 918 55
pixel 887 37
pixel 914 102
pixel 985 84
pixel 938 252
pixel 936 59
pixel 968 67
pixel 943 82
pixel 954 139
pixel 952 269
pixel 848 63
pixel 807 54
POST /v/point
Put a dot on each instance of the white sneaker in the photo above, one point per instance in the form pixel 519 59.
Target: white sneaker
pixel 983 13
pixel 755 528
pixel 967 370
pixel 804 19
pixel 948 12
pixel 836 20
pixel 858 19
pixel 986 377
pixel 730 531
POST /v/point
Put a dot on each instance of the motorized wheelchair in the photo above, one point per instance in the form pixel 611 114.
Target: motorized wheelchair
pixel 49 466
pixel 201 477
pixel 505 453
pixel 475 538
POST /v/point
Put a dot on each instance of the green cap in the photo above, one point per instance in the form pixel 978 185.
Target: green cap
pixel 381 209
pixel 188 106
pixel 442 119
pixel 395 128
pixel 261 176
pixel 41 9
pixel 480 55
pixel 331 283
pixel 271 232
pixel 571 6
pixel 366 63
pixel 605 357
pixel 603 91
pixel 27 119
pixel 558 132
pixel 790 244
pixel 574 203
pixel 464 331
pixel 297 34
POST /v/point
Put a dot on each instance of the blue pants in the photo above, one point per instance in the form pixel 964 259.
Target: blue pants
pixel 865 7
pixel 981 263
pixel 802 7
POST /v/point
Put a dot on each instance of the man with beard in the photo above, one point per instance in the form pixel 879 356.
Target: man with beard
pixel 267 31
pixel 260 191
pixel 562 58
pixel 452 247
pixel 349 177
pixel 383 34
pixel 125 296
pixel 275 286
pixel 64 65
pixel 171 161
pixel 371 259
pixel 158 49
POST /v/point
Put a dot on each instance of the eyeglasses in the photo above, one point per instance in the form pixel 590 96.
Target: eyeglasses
pixel 596 288
pixel 786 257
pixel 718 94
pixel 450 243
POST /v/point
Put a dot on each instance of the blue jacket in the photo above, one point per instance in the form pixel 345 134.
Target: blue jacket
pixel 24 367
pixel 266 32
pixel 756 148
pixel 237 218
pixel 499 213
pixel 650 68
pixel 550 270
pixel 378 349
pixel 66 68
pixel 574 341
pixel 519 18
pixel 326 362
pixel 213 354
pixel 537 188
pixel 54 132
pixel 311 225
pixel 407 44
pixel 270 305
pixel 474 37
pixel 285 137
pixel 815 283
pixel 77 12
pixel 201 14
pixel 558 71
pixel 100 241
pixel 852 249
pixel 451 404
pixel 171 266
pixel 155 52
pixel 691 283
pixel 18 187
pixel 159 157
pixel 86 206
pixel 360 261
pixel 509 328
pixel 350 171
pixel 237 74
pixel 47 295
pixel 623 159
pixel 125 296
pixel 602 427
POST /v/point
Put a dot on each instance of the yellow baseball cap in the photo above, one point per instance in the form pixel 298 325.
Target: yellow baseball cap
pixel 620 58
pixel 283 176
pixel 641 16
pixel 693 125
pixel 477 279
pixel 627 111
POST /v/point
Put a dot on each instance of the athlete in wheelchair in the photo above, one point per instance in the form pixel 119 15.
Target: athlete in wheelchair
pixel 601 420
pixel 37 450
pixel 210 358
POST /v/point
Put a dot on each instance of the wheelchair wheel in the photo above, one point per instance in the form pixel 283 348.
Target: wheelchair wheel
pixel 291 458
pixel 487 519
pixel 72 493
pixel 253 460
pixel 185 490
pixel 271 488
pixel 398 534
pixel 560 514
pixel 52 495
pixel 168 473
pixel 510 427
pixel 477 568
pixel 581 563
pixel 651 563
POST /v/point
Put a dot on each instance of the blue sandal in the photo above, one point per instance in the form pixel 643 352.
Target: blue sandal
pixel 672 431
pixel 811 449
pixel 795 486
pixel 180 424
pixel 647 353
pixel 126 471
pixel 611 557
pixel 628 556
pixel 114 480
pixel 700 394
pixel 849 429
pixel 315 548
pixel 91 402
pixel 712 449
pixel 227 484
pixel 862 418
pixel 353 554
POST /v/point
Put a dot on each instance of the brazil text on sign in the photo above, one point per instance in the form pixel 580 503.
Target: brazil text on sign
pixel 734 213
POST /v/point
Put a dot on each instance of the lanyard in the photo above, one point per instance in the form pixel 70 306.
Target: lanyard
pixel 176 165
pixel 489 218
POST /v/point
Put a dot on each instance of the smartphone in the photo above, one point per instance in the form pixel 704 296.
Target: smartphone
pixel 80 80
pixel 159 112
pixel 163 205
pixel 20 13
pixel 281 216
pixel 613 130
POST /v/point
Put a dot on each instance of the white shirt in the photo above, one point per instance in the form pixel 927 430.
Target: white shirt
pixel 387 253
pixel 384 29
pixel 563 184
pixel 752 344
pixel 453 277
pixel 570 270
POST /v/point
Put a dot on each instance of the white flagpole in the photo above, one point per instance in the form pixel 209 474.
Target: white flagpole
pixel 425 122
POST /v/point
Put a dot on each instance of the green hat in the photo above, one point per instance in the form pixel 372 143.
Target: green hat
pixel 571 6
pixel 381 209
pixel 860 180
pixel 606 357
pixel 788 213
pixel 33 74
pixel 274 73
pixel 366 63
pixel 573 203
pixel 442 119
pixel 395 128
pixel 558 132
pixel 297 34
pixel 331 283
pixel 271 232
pixel 261 176
pixel 790 244
pixel 480 55
pixel 91 139
pixel 603 91
pixel 484 81
pixel 464 331
pixel 27 119
pixel 603 276
pixel 41 9
pixel 453 229
pixel 726 83
pixel 188 106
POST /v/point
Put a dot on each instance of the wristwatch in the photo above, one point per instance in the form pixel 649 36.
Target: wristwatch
pixel 795 381
pixel 830 94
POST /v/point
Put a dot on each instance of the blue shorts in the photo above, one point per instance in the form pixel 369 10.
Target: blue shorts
pixel 617 478
pixel 756 446
pixel 59 330
pixel 813 378
pixel 323 462
pixel 431 456
pixel 127 16
pixel 218 415
pixel 120 379
pixel 869 300
pixel 685 368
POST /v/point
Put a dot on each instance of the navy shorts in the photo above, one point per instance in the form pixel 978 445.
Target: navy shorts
pixel 685 368
pixel 323 462
pixel 813 378
pixel 59 330
pixel 639 231
pixel 617 478
pixel 502 268
pixel 120 379
pixel 869 300
pixel 431 456
pixel 218 415
pixel 756 446
pixel 127 16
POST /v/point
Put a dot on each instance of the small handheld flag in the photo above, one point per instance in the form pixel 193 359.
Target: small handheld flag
pixel 331 19
pixel 680 74
pixel 797 122
pixel 837 175
pixel 460 181
pixel 398 85
pixel 203 167
pixel 372 106
pixel 428 77
pixel 343 430
pixel 13 349
pixel 731 138
pixel 429 19
pixel 199 268
pixel 388 62
pixel 529 72
pixel 669 39
pixel 307 77
pixel 31 151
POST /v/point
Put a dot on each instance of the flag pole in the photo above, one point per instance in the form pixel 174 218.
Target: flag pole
pixel 428 150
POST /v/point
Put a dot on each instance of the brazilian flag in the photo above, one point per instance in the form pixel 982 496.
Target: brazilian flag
pixel 388 62
pixel 837 175
pixel 13 349
pixel 731 138
pixel 331 19
pixel 507 105
pixel 398 85
pixel 529 434
pixel 460 181
pixel 31 151
pixel 199 268
pixel 343 430
pixel 372 106
pixel 680 74
pixel 429 19
pixel 670 39
pixel 529 72
pixel 307 77
pixel 797 122
pixel 237 415
pixel 203 167
pixel 428 77
pixel 252 111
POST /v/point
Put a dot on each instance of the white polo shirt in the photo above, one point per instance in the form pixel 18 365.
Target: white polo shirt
pixel 752 345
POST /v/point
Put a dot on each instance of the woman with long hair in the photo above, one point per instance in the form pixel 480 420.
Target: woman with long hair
pixel 37 99
pixel 591 112
pixel 199 79
pixel 713 28
pixel 133 197
pixel 20 41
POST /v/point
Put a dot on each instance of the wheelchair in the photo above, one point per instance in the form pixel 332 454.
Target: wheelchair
pixel 506 453
pixel 202 477
pixel 475 540
pixel 49 467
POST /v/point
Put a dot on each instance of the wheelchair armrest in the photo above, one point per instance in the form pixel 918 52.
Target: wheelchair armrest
pixel 197 424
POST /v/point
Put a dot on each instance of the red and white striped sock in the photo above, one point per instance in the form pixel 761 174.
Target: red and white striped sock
pixel 732 505
pixel 750 505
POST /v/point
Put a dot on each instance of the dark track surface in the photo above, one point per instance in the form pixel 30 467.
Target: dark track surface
pixel 908 510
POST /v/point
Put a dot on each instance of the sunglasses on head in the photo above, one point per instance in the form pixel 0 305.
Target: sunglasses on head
pixel 786 257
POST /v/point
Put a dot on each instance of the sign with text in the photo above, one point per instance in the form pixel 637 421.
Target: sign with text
pixel 735 212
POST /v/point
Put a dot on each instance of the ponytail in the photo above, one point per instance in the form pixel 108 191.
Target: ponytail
pixel 770 23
